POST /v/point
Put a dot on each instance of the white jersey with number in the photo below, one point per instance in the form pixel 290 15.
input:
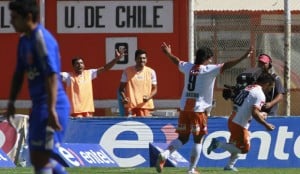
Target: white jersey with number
pixel 197 94
pixel 251 96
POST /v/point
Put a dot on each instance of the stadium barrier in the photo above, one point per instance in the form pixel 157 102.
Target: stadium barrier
pixel 5 161
pixel 84 155
pixel 12 139
pixel 175 159
pixel 125 142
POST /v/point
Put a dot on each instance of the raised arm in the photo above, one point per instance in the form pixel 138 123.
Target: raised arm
pixel 109 65
pixel 229 64
pixel 168 52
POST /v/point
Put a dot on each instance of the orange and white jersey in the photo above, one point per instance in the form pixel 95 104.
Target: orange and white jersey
pixel 251 96
pixel 67 76
pixel 80 90
pixel 198 88
pixel 139 84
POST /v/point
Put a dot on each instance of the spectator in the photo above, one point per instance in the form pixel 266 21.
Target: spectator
pixel 38 58
pixel 196 101
pixel 274 96
pixel 138 86
pixel 79 85
pixel 247 105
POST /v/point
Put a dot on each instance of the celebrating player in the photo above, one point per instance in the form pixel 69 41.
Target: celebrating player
pixel 247 104
pixel 196 101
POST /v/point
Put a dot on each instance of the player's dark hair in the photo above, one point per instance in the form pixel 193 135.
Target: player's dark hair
pixel 25 7
pixel 264 78
pixel 139 52
pixel 203 54
pixel 75 59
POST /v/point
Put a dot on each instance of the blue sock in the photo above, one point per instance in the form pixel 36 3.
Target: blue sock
pixel 57 167
pixel 44 170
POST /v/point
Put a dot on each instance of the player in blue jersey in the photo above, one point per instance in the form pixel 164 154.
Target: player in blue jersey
pixel 38 58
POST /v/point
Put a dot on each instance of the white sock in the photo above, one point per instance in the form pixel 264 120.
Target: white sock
pixel 174 145
pixel 195 155
pixel 233 159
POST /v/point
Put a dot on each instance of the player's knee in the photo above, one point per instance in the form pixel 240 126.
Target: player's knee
pixel 39 159
pixel 245 150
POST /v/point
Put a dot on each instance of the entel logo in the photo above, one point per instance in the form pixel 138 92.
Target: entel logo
pixel 145 135
pixel 264 149
pixel 109 141
pixel 82 158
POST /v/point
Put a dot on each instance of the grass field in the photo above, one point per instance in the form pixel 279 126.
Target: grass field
pixel 170 170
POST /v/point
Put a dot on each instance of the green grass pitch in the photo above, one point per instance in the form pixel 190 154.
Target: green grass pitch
pixel 168 170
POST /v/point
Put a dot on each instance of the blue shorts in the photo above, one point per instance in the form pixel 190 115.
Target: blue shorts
pixel 41 137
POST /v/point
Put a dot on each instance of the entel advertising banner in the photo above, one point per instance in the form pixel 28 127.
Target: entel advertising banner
pixel 87 155
pixel 126 140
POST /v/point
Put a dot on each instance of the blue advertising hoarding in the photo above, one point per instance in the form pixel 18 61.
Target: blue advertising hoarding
pixel 126 140
pixel 85 155
pixel 5 161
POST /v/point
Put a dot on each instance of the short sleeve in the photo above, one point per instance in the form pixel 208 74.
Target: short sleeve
pixel 94 73
pixel 66 77
pixel 153 78
pixel 124 77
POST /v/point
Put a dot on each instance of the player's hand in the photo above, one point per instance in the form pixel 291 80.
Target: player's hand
pixel 119 53
pixel 145 98
pixel 125 100
pixel 267 105
pixel 10 112
pixel 166 48
pixel 250 52
pixel 53 121
pixel 270 127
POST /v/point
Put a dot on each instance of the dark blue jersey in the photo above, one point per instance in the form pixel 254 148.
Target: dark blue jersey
pixel 39 56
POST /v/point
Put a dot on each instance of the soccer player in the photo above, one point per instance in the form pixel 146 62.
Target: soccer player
pixel 138 86
pixel 79 85
pixel 196 101
pixel 247 105
pixel 38 58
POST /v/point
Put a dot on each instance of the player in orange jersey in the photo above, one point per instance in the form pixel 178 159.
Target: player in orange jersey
pixel 138 86
pixel 196 101
pixel 79 85
pixel 247 105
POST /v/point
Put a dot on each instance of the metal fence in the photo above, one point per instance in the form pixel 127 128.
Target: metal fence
pixel 231 33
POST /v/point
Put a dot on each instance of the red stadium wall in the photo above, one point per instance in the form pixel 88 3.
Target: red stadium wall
pixel 91 46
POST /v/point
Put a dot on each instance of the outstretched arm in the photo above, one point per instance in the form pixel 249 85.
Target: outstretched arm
pixel 167 50
pixel 109 65
pixel 229 64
